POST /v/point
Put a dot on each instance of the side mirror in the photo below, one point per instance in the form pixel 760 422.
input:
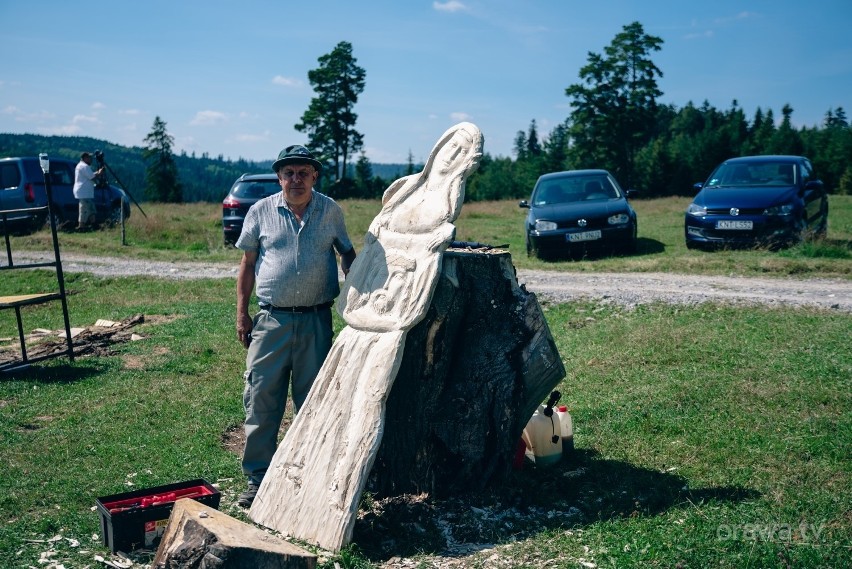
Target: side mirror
pixel 630 194
pixel 524 204
pixel 697 186
pixel 814 185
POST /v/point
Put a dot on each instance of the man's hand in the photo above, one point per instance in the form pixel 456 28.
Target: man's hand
pixel 244 325
pixel 245 284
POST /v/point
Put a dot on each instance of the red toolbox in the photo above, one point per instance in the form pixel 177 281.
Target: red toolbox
pixel 136 520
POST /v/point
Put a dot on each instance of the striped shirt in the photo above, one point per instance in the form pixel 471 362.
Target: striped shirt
pixel 296 265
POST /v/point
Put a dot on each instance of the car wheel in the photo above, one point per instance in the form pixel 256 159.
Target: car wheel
pixel 115 214
pixel 58 218
pixel 531 251
pixel 631 246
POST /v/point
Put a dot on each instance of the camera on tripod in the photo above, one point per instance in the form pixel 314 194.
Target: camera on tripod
pixel 99 156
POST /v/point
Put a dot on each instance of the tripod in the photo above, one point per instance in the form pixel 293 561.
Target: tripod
pixel 99 156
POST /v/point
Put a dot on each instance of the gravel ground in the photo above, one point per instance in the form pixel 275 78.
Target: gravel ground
pixel 625 289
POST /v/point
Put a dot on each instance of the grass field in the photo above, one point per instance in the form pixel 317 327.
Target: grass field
pixel 706 436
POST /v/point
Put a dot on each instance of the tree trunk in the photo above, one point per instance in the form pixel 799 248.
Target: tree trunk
pixel 472 373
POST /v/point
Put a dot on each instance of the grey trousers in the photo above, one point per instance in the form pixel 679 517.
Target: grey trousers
pixel 284 346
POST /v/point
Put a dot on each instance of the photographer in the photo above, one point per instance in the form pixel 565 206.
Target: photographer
pixel 84 191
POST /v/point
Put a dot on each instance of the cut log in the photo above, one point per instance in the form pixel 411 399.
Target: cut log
pixel 472 373
pixel 198 536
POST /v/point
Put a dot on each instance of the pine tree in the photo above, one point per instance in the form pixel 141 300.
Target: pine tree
pixel 330 119
pixel 615 104
pixel 161 177
pixel 363 176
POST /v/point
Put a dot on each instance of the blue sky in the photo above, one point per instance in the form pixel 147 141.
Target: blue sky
pixel 231 78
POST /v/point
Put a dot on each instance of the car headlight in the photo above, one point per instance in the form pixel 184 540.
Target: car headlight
pixel 618 219
pixel 544 225
pixel 785 209
pixel 696 210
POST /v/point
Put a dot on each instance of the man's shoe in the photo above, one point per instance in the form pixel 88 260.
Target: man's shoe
pixel 247 497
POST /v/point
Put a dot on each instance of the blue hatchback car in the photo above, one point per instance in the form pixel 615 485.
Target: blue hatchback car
pixel 755 201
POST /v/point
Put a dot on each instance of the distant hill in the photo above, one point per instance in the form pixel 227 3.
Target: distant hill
pixel 203 178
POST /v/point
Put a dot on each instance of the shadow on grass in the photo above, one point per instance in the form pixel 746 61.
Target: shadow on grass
pixel 581 490
pixel 56 373
pixel 644 246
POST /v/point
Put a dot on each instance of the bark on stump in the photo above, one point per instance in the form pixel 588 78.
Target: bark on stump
pixel 472 373
pixel 200 537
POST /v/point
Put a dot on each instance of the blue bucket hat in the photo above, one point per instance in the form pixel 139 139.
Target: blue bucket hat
pixel 296 154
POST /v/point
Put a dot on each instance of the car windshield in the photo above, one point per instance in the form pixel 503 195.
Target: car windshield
pixel 574 189
pixel 255 189
pixel 752 174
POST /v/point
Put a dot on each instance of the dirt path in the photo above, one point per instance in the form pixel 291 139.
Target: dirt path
pixel 626 289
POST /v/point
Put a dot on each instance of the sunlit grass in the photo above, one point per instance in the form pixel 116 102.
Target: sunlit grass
pixel 690 423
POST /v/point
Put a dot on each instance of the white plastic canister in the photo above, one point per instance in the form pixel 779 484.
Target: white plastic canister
pixel 567 428
pixel 543 434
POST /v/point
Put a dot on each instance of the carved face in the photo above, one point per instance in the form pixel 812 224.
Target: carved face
pixel 452 154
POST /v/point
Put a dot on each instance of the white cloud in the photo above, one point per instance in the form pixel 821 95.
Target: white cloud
pixel 12 110
pixel 66 130
pixel 97 105
pixel 460 117
pixel 253 137
pixel 451 6
pixel 286 81
pixel 736 17
pixel 207 118
pixel 78 119
pixel 699 35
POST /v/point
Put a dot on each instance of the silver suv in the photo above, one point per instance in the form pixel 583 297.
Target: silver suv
pixel 22 188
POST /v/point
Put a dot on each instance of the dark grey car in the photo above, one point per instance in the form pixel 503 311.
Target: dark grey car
pixel 579 210
pixel 243 194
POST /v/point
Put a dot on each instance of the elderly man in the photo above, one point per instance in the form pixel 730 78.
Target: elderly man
pixel 288 241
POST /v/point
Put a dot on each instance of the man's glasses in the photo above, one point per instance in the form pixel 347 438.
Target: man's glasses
pixel 302 174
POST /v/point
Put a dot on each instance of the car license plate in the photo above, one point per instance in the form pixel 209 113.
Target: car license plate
pixel 584 236
pixel 731 224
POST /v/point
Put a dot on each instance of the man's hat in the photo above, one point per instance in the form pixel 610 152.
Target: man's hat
pixel 296 154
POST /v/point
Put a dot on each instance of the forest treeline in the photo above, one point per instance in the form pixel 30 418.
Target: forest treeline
pixel 690 143
pixel 203 178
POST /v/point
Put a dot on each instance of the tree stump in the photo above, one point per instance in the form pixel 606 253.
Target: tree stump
pixel 200 537
pixel 472 373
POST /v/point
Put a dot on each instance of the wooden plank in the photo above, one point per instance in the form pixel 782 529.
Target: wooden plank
pixel 25 299
pixel 314 484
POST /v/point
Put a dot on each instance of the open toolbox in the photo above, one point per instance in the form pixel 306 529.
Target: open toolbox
pixel 136 520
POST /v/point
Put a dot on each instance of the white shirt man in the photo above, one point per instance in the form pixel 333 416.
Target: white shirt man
pixel 84 190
